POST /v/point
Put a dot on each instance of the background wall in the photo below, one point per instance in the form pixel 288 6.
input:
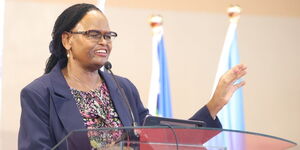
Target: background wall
pixel 269 44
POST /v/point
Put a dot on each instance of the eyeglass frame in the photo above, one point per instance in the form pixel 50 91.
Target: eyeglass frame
pixel 112 35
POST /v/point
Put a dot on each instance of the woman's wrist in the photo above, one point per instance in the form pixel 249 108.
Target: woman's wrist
pixel 213 108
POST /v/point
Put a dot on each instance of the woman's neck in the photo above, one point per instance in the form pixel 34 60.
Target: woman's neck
pixel 81 78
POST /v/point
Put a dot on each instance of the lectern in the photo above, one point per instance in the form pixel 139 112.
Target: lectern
pixel 170 138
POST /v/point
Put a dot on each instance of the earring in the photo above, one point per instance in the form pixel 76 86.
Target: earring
pixel 68 53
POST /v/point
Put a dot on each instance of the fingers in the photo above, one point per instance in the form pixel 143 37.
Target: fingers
pixel 236 73
pixel 227 86
pixel 238 85
pixel 238 68
pixel 233 89
pixel 241 70
pixel 240 75
pixel 241 66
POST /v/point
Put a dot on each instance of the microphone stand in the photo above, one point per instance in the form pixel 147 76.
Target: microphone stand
pixel 108 67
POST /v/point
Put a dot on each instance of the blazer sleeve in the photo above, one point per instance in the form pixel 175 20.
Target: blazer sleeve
pixel 204 115
pixel 140 112
pixel 34 124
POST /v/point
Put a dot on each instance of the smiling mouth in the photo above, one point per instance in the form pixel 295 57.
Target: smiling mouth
pixel 101 52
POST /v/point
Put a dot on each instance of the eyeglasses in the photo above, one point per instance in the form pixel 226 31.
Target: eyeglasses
pixel 97 35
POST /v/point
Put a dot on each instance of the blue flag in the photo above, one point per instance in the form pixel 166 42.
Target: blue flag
pixel 164 107
pixel 159 102
pixel 232 114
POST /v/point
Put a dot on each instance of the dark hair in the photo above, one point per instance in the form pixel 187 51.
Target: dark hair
pixel 66 21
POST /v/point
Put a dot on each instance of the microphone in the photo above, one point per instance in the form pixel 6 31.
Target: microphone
pixel 108 67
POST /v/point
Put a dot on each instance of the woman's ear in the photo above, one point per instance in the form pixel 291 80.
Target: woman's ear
pixel 66 40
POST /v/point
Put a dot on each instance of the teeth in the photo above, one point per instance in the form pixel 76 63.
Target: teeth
pixel 101 51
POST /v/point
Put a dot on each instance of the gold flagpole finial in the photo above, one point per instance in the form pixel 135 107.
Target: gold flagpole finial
pixel 155 21
pixel 234 12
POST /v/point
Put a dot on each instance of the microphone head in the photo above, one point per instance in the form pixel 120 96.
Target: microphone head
pixel 108 65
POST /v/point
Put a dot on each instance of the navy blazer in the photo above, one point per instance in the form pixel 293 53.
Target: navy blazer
pixel 49 111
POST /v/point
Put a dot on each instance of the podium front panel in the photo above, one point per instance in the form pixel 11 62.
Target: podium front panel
pixel 161 137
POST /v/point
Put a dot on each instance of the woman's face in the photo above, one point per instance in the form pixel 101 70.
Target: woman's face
pixel 87 51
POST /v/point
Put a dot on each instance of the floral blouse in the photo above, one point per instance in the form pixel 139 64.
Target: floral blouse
pixel 97 111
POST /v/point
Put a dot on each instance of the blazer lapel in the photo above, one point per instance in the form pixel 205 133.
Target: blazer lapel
pixel 64 102
pixel 66 107
pixel 118 100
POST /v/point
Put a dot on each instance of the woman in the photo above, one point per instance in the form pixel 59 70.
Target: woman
pixel 74 94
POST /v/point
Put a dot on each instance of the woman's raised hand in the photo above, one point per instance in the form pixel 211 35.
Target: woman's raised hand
pixel 226 87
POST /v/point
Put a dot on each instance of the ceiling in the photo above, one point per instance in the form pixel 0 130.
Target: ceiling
pixel 250 7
